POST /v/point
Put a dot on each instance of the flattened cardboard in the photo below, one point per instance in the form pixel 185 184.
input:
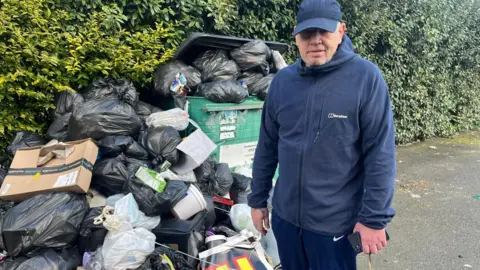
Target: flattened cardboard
pixel 73 173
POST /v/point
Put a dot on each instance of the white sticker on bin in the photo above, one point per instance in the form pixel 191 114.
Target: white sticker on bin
pixel 66 180
pixel 238 154
pixel 5 189
pixel 228 128
pixel 227 135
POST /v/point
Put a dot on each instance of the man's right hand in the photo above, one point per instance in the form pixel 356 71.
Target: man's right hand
pixel 261 220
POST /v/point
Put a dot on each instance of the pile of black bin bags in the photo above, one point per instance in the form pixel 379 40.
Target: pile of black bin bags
pixel 58 230
pixel 218 75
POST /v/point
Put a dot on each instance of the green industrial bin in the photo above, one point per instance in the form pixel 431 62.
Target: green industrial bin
pixel 234 128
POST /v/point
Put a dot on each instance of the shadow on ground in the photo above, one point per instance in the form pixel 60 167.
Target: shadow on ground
pixel 437 225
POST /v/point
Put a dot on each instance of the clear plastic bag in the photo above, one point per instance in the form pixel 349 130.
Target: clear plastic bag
pixel 176 118
pixel 95 261
pixel 241 218
pixel 188 177
pixel 126 209
pixel 127 248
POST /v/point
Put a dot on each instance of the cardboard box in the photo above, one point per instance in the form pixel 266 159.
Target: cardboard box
pixel 73 173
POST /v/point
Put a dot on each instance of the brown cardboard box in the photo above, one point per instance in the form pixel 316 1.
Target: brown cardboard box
pixel 73 173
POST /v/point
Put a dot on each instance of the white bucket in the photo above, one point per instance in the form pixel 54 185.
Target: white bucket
pixel 191 204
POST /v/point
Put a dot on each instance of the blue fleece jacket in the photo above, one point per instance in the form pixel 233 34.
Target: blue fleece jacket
pixel 330 130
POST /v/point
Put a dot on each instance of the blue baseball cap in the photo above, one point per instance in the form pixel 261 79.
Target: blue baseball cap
pixel 320 14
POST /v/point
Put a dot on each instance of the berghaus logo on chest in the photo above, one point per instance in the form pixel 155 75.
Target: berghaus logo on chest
pixel 339 116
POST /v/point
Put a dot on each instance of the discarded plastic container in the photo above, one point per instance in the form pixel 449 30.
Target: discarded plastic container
pixel 191 204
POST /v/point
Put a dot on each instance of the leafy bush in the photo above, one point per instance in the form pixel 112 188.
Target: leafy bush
pixel 427 50
pixel 44 50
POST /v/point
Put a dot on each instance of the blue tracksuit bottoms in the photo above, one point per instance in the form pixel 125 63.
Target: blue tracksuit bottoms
pixel 305 250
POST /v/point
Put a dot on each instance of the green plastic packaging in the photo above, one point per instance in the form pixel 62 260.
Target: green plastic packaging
pixel 151 178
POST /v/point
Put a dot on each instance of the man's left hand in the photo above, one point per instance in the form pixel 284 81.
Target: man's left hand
pixel 372 240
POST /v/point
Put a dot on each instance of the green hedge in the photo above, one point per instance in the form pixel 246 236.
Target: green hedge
pixel 428 51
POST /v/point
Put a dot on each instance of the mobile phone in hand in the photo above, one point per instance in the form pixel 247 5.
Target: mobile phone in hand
pixel 356 241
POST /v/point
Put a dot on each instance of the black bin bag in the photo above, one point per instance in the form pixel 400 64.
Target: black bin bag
pixel 205 174
pixel 165 75
pixel 4 207
pixel 112 146
pixel 110 175
pixel 250 78
pixel 253 56
pixel 91 236
pixel 49 259
pixel 155 260
pixel 260 88
pixel 3 174
pixel 97 119
pixel 49 220
pixel 240 181
pixel 224 178
pixel 161 143
pixel 58 130
pixel 65 102
pixel 241 188
pixel 106 88
pixel 187 236
pixel 24 139
pixel 216 66
pixel 144 110
pixel 214 179
pixel 154 203
pixel 133 165
pixel 223 91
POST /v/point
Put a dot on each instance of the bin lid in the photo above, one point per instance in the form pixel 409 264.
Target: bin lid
pixel 198 42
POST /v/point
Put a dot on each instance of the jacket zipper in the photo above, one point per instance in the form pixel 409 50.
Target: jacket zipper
pixel 320 117
pixel 308 115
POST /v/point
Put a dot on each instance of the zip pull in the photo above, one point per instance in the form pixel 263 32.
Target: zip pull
pixel 316 137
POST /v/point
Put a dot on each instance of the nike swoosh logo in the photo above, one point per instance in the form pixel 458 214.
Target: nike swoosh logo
pixel 335 239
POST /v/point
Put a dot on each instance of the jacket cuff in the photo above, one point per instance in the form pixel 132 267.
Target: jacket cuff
pixel 373 225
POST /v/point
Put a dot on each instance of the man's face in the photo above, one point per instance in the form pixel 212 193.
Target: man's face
pixel 318 46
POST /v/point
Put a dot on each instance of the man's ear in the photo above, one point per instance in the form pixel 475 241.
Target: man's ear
pixel 342 29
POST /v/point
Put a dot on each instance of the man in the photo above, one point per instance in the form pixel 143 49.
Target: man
pixel 327 122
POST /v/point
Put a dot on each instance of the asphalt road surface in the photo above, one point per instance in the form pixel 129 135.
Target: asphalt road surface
pixel 437 200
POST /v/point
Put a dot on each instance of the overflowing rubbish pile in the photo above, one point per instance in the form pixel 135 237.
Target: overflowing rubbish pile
pixel 116 183
pixel 221 76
